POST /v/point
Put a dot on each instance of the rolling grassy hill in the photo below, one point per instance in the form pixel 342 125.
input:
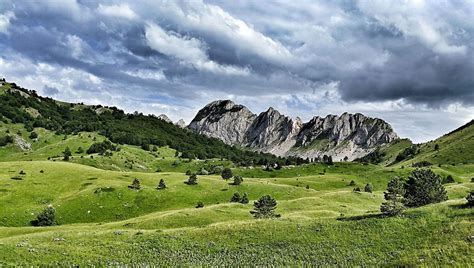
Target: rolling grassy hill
pixel 101 222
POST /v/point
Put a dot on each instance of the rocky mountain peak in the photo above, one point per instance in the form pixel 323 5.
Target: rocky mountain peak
pixel 347 135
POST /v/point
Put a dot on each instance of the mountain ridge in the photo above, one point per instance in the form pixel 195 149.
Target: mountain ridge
pixel 344 137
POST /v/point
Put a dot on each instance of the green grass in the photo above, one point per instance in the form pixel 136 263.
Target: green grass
pixel 327 224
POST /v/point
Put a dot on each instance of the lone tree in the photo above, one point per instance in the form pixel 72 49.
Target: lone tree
pixel 238 180
pixel 135 184
pixel 235 197
pixel 264 208
pixel 244 199
pixel 46 217
pixel 393 204
pixel 470 199
pixel 161 185
pixel 226 173
pixel 66 154
pixel 192 179
pixel 424 187
pixel 199 204
pixel 368 188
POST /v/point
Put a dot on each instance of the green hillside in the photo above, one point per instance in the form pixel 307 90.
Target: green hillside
pixel 327 217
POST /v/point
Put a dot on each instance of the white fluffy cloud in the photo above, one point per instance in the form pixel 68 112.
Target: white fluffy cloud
pixel 187 49
pixel 118 11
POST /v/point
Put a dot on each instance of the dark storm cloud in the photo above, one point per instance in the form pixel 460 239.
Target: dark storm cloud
pixel 186 53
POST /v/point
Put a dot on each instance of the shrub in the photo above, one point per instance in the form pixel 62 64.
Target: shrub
pixel 161 185
pixel 46 218
pixel 188 172
pixel 226 173
pixel 421 164
pixel 101 147
pixel 368 188
pixel 135 184
pixel 352 183
pixel 6 140
pixel 199 204
pixel 470 199
pixel 424 187
pixel 448 179
pixel 203 172
pixel 192 179
pixel 237 180
pixel 356 189
pixel 307 186
pixel 393 204
pixel 67 154
pixel 265 208
pixel 33 135
pixel 79 150
pixel 235 197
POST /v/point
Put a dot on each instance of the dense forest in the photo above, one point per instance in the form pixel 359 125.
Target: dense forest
pixel 120 127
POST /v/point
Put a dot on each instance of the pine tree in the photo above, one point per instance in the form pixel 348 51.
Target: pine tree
pixel 265 208
pixel 135 184
pixel 46 217
pixel 192 179
pixel 470 199
pixel 67 153
pixel 237 180
pixel 244 199
pixel 394 198
pixel 424 187
pixel 226 173
pixel 235 197
pixel 161 185
pixel 368 188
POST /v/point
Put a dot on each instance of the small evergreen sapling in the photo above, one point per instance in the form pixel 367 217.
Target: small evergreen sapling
pixel 368 188
pixel 161 185
pixel 46 218
pixel 135 184
pixel 264 208
pixel 393 204
pixel 235 197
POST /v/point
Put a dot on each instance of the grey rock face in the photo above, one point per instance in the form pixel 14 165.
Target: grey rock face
pixel 180 123
pixel 165 118
pixel 348 135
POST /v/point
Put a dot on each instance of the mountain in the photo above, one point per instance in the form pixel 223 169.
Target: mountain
pixel 348 136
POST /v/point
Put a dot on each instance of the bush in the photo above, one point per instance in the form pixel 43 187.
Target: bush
pixel 368 188
pixel 161 185
pixel 226 173
pixel 199 204
pixel 470 199
pixel 6 140
pixel 448 179
pixel 356 189
pixel 46 218
pixel 421 164
pixel 67 154
pixel 79 150
pixel 265 208
pixel 424 187
pixel 188 172
pixel 393 204
pixel 192 179
pixel 235 197
pixel 237 180
pixel 135 184
pixel 101 147
pixel 352 183
pixel 33 135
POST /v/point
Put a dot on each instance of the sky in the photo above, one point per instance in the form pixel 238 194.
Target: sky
pixel 410 63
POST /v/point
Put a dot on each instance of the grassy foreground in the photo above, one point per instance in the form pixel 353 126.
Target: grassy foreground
pixel 327 224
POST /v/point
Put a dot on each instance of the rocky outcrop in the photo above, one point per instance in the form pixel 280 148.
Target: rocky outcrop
pixel 165 118
pixel 180 123
pixel 348 136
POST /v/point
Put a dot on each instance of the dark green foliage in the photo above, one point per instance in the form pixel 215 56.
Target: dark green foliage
pixel 356 189
pixel 226 173
pixel 79 150
pixel 352 183
pixel 393 204
pixel 135 184
pixel 33 135
pixel 161 185
pixel 188 172
pixel 436 147
pixel 265 208
pixel 67 154
pixel 192 179
pixel 101 147
pixel 46 218
pixel 307 186
pixel 235 197
pixel 122 128
pixel 421 164
pixel 448 179
pixel 470 199
pixel 424 187
pixel 6 140
pixel 374 157
pixel 244 199
pixel 238 180
pixel 199 204
pixel 368 188
pixel 408 153
pixel 327 160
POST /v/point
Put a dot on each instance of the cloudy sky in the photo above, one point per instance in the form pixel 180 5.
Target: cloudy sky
pixel 408 62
